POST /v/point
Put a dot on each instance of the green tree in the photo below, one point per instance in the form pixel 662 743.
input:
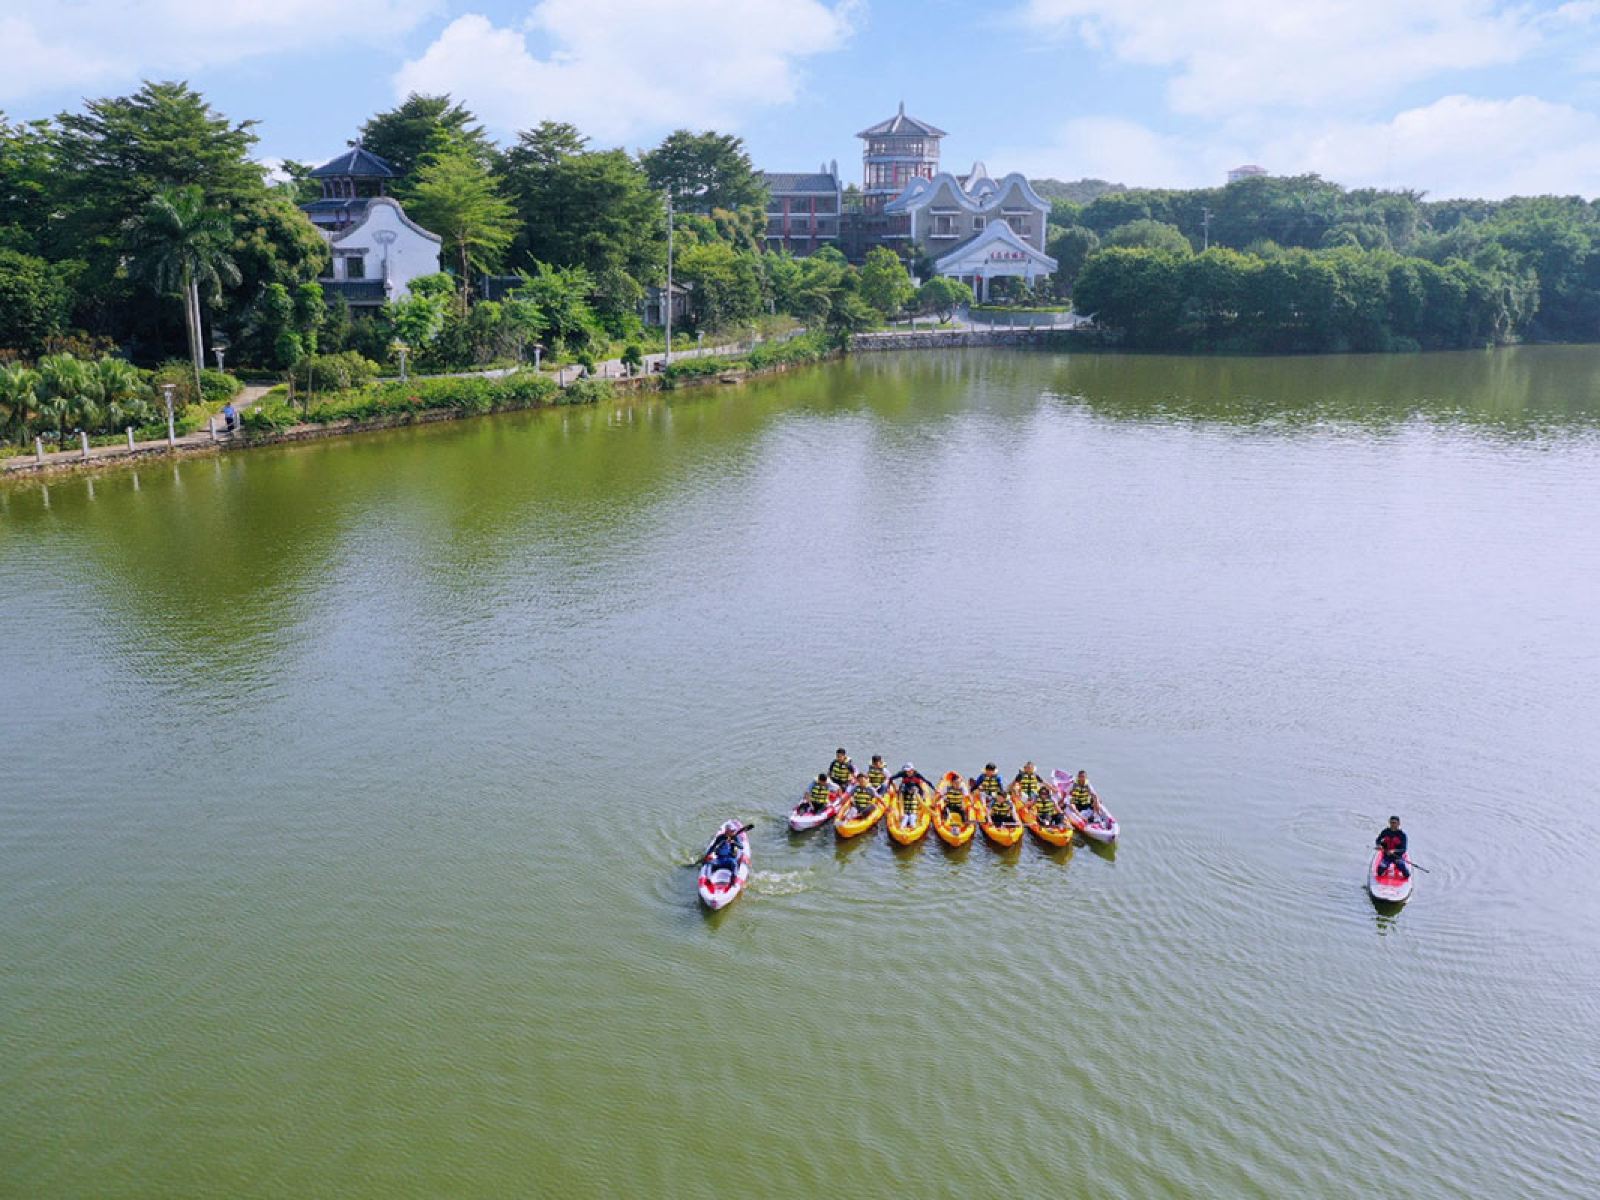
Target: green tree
pixel 885 285
pixel 704 172
pixel 561 296
pixel 1071 247
pixel 943 295
pixel 456 197
pixel 1147 234
pixel 725 285
pixel 420 127
pixel 35 301
pixel 272 328
pixel 19 400
pixel 182 246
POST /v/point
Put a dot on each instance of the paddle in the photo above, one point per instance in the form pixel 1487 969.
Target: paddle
pixel 707 850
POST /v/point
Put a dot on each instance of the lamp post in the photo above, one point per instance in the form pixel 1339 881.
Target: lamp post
pixel 667 299
pixel 166 394
pixel 219 346
pixel 538 354
pixel 699 342
pixel 400 349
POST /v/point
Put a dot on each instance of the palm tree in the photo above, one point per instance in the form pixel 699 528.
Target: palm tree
pixel 124 394
pixel 69 394
pixel 181 246
pixel 19 400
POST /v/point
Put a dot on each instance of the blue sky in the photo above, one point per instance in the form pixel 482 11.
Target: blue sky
pixel 1455 97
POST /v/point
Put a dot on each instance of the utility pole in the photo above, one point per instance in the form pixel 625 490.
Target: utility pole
pixel 1205 226
pixel 666 309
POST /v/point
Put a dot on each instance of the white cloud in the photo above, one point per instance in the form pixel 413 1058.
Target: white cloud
pixel 1458 146
pixel 617 68
pixel 1120 151
pixel 1236 56
pixel 85 43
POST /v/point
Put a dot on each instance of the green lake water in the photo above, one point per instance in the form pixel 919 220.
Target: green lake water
pixel 347 786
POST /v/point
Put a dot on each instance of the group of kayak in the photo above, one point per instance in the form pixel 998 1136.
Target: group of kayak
pixel 909 804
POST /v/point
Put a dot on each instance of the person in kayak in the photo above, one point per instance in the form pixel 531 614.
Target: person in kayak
pixel 877 774
pixel 910 780
pixel 954 798
pixel 817 795
pixel 989 784
pixel 863 797
pixel 1084 797
pixel 1045 808
pixel 724 852
pixel 841 770
pixel 1028 781
pixel 1392 841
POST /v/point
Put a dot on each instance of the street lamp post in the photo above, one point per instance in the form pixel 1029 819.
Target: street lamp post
pixel 538 354
pixel 667 299
pixel 166 394
pixel 699 342
pixel 401 350
pixel 219 346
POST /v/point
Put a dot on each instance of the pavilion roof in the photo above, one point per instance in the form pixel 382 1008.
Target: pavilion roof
pixel 902 124
pixel 356 163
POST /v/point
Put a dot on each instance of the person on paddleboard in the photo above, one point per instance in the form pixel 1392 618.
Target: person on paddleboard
pixel 817 795
pixel 1392 841
pixel 841 770
pixel 877 774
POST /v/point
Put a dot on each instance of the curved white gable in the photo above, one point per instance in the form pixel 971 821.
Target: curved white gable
pixel 394 248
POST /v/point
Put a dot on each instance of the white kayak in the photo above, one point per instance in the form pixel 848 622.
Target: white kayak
pixel 1391 887
pixel 1099 827
pixel 719 885
pixel 801 819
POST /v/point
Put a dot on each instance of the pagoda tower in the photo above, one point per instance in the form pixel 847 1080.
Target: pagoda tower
pixel 896 151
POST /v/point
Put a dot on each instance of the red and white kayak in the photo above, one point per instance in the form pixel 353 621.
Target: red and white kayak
pixel 801 819
pixel 720 886
pixel 1100 827
pixel 1390 886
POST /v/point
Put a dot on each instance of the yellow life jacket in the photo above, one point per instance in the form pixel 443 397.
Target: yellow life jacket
pixel 990 785
pixel 1000 809
pixel 1029 782
pixel 819 793
pixel 864 799
pixel 1082 796
pixel 841 772
pixel 877 776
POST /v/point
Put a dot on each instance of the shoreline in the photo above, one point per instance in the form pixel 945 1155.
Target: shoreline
pixel 59 464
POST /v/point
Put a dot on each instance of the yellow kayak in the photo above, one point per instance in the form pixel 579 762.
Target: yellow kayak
pixel 847 824
pixel 1008 833
pixel 1056 835
pixel 955 828
pixel 907 827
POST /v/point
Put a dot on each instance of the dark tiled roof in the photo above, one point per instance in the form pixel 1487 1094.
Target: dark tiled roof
pixel 352 204
pixel 357 163
pixel 786 182
pixel 355 291
pixel 900 123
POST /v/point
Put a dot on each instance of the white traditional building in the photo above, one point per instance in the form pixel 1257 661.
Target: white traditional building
pixel 976 228
pixel 377 249
pixel 995 253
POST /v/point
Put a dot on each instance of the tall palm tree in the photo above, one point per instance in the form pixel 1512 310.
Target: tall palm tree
pixel 181 246
pixel 19 400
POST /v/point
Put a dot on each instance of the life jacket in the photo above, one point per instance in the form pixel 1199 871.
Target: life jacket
pixel 818 794
pixel 841 772
pixel 1030 783
pixel 990 785
pixel 877 776
pixel 1044 806
pixel 1000 810
pixel 1082 796
pixel 1392 841
pixel 864 799
pixel 955 805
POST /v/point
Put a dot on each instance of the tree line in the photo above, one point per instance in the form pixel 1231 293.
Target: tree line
pixel 141 226
pixel 1301 264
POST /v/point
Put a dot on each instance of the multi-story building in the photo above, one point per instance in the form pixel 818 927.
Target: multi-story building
pixel 896 152
pixel 803 209
pixel 377 249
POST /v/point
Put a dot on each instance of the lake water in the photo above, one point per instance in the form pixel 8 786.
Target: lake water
pixel 347 787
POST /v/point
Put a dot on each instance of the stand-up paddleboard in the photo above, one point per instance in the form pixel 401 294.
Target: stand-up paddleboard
pixel 1391 887
pixel 719 885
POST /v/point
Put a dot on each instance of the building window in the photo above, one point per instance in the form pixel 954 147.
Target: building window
pixel 355 268
pixel 977 224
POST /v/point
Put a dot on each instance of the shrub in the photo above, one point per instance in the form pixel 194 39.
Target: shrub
pixel 334 372
pixel 217 388
pixel 268 417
